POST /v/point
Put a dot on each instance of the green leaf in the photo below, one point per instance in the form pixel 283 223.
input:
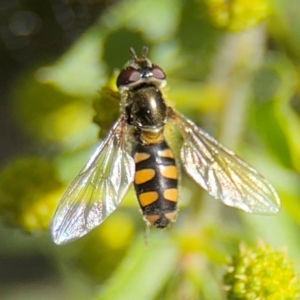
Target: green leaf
pixel 144 271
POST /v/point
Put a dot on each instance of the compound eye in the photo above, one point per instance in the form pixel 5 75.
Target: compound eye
pixel 128 76
pixel 158 73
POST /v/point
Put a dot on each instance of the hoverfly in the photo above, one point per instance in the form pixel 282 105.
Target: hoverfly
pixel 102 184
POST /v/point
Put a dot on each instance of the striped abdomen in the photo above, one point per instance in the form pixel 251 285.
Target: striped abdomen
pixel 155 182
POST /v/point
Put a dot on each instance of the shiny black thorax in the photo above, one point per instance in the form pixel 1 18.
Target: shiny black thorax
pixel 146 108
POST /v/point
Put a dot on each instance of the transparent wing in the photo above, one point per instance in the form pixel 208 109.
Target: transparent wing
pixel 224 175
pixel 97 190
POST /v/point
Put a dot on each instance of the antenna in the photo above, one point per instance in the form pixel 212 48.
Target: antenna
pixel 132 53
pixel 145 51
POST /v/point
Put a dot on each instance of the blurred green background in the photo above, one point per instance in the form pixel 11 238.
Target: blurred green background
pixel 232 67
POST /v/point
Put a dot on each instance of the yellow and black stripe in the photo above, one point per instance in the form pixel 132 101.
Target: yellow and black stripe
pixel 155 182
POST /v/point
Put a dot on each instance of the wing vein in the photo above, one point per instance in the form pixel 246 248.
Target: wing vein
pixel 223 174
pixel 98 189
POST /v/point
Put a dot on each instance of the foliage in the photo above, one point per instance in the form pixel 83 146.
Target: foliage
pixel 233 71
